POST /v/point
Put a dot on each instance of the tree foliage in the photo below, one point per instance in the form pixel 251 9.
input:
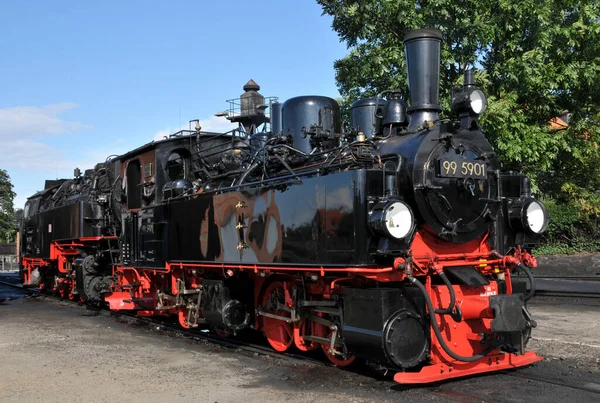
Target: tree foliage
pixel 534 59
pixel 7 212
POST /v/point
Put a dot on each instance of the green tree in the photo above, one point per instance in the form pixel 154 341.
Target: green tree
pixel 7 211
pixel 534 59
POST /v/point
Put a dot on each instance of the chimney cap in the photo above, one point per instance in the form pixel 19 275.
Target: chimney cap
pixel 251 86
pixel 427 33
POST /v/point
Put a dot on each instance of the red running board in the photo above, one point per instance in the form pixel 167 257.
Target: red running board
pixel 441 372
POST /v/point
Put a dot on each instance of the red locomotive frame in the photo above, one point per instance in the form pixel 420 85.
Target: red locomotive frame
pixel 136 286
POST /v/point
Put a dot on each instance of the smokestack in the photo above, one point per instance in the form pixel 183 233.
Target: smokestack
pixel 422 48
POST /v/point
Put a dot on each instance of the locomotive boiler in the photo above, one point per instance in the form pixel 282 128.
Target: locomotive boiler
pixel 395 241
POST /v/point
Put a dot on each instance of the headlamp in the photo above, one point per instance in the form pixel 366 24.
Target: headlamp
pixel 468 100
pixel 530 216
pixel 535 217
pixel 393 219
pixel 477 102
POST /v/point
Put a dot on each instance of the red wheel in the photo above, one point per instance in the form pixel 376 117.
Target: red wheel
pixel 337 360
pixel 279 333
pixel 182 315
pixel 222 333
pixel 303 329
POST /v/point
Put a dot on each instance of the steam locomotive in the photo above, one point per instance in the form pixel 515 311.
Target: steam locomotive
pixel 395 241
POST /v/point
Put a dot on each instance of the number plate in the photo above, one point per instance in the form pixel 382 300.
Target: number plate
pixel 462 169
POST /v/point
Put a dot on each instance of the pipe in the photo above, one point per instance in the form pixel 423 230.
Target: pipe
pixel 247 173
pixel 529 275
pixel 436 328
pixel 308 268
pixel 276 115
pixel 285 164
pixel 450 308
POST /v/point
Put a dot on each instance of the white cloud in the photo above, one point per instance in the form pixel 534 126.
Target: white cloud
pixel 212 124
pixel 37 157
pixel 33 121
pixel 29 154
pixel 24 132
pixel 22 127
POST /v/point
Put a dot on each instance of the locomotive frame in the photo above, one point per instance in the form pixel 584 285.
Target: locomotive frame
pixel 354 241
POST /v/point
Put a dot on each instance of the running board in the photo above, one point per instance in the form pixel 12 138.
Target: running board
pixel 456 369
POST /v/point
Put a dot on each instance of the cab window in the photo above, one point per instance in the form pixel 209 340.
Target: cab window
pixel 175 166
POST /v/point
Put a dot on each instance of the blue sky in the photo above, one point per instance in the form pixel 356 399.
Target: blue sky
pixel 82 80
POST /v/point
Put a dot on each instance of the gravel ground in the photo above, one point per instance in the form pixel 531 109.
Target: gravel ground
pixel 568 330
pixel 52 351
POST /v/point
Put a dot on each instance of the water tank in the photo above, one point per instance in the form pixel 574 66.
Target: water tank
pixel 302 112
pixel 251 99
pixel 363 114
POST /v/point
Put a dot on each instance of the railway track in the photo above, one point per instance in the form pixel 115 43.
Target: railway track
pixel 208 335
pixel 444 389
pixel 571 295
pixel 584 386
pixel 198 334
pixel 576 278
pixel 586 287
pixel 11 281
pixel 252 348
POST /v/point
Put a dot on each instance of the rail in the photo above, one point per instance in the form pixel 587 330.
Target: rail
pixel 9 263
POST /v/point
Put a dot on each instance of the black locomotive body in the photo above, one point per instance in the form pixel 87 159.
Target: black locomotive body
pixel 393 241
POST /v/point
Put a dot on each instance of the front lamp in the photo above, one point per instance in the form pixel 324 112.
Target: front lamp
pixel 469 100
pixel 535 217
pixel 477 102
pixel 393 219
pixel 530 216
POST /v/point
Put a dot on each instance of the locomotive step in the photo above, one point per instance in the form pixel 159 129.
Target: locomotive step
pixel 440 372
